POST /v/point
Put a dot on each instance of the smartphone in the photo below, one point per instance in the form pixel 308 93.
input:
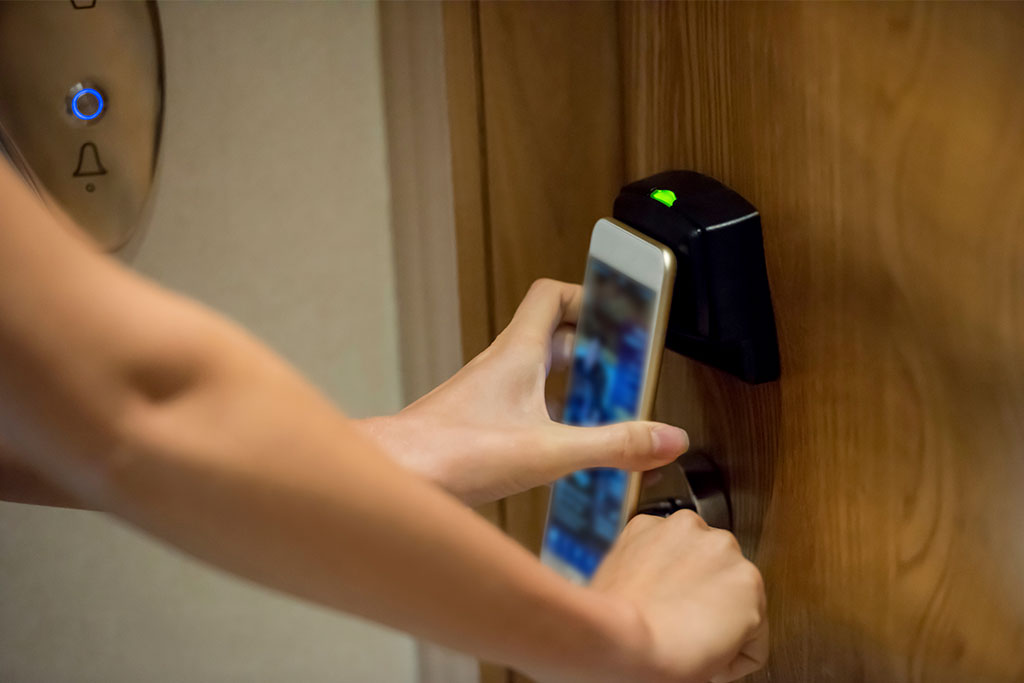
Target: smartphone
pixel 620 337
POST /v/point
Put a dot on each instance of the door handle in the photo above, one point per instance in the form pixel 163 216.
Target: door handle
pixel 692 482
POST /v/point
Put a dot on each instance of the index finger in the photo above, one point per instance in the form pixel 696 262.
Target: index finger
pixel 548 304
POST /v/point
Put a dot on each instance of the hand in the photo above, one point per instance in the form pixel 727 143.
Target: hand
pixel 486 433
pixel 699 605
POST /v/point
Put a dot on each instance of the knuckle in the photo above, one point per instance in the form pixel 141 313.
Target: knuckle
pixel 753 578
pixel 622 444
pixel 725 541
pixel 686 519
pixel 640 522
pixel 542 284
pixel 748 580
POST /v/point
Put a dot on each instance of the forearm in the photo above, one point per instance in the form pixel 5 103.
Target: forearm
pixel 21 484
pixel 255 472
pixel 250 469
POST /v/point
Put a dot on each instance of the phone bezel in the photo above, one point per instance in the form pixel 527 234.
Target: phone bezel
pixel 653 265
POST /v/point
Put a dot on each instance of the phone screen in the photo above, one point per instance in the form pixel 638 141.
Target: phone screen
pixel 613 339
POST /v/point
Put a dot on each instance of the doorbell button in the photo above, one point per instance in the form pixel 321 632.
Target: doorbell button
pixel 86 103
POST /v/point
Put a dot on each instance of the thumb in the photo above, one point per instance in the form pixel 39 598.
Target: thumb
pixel 633 446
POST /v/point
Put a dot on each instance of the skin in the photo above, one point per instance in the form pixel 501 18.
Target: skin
pixel 120 396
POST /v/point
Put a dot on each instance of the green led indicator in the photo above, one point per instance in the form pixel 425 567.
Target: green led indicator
pixel 666 197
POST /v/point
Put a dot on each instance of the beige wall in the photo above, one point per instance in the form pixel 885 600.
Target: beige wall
pixel 272 207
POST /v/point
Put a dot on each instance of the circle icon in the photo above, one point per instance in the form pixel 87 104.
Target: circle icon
pixel 86 103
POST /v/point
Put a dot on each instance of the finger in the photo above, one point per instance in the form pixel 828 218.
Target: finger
pixel 760 645
pixel 752 657
pixel 640 522
pixel 633 446
pixel 737 669
pixel 548 304
pixel 743 665
pixel 561 347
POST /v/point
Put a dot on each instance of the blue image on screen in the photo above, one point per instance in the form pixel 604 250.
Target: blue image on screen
pixel 612 343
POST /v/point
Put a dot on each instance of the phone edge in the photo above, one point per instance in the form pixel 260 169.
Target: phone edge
pixel 652 374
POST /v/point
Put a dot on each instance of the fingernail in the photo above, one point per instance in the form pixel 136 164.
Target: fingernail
pixel 668 439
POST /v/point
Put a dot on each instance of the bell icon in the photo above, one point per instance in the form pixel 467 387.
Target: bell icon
pixel 89 162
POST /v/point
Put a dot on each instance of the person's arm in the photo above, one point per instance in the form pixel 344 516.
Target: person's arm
pixel 21 484
pixel 146 405
pixel 485 433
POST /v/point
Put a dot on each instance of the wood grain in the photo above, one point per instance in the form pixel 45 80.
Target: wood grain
pixel 877 484
pixel 464 90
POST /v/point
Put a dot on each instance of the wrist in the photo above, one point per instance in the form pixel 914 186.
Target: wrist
pixel 627 647
pixel 375 426
pixel 384 431
pixel 588 636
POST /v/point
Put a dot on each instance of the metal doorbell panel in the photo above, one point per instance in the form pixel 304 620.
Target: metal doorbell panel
pixel 81 107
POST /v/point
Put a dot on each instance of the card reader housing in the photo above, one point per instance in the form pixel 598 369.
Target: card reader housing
pixel 721 311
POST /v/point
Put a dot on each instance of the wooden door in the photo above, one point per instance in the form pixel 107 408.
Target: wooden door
pixel 877 484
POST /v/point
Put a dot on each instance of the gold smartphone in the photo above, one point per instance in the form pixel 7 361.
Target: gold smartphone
pixel 616 358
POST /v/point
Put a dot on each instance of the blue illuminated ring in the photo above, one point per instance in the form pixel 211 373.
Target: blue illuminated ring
pixel 74 104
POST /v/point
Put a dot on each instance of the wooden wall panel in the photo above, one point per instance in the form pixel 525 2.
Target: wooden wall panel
pixel 554 163
pixel 468 172
pixel 877 484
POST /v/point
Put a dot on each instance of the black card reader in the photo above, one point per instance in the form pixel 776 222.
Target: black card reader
pixel 721 311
